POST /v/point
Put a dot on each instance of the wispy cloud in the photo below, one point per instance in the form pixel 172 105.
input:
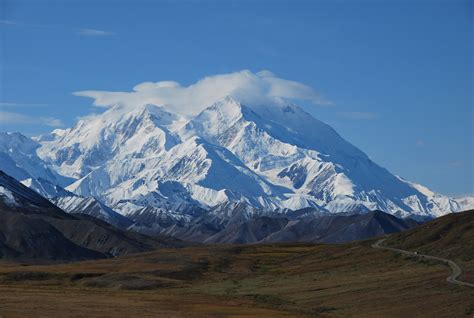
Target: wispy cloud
pixel 52 121
pixel 359 115
pixel 87 117
pixel 78 31
pixel 93 32
pixel 17 118
pixel 27 25
pixel 7 22
pixel 8 104
pixel 250 88
pixel 456 163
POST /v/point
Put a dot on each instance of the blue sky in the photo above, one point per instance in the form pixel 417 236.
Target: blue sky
pixel 399 73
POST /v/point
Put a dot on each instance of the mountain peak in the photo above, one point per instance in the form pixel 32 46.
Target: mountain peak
pixel 159 113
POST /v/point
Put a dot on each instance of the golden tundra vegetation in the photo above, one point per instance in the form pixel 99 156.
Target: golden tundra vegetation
pixel 284 280
pixel 451 237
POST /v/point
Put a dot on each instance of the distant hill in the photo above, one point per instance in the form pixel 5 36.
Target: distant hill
pixel 239 227
pixel 450 236
pixel 341 228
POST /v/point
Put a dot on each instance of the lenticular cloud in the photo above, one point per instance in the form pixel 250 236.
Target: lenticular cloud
pixel 189 100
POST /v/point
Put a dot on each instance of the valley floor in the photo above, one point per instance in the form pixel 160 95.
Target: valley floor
pixel 351 280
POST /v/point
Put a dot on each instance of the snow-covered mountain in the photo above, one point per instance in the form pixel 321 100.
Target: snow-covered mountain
pixel 18 158
pixel 270 156
pixel 17 197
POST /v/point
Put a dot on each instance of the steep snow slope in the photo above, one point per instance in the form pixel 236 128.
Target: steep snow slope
pixel 46 188
pixel 18 159
pixel 113 135
pixel 14 196
pixel 193 171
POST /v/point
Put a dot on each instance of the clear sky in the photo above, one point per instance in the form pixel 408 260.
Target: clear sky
pixel 398 73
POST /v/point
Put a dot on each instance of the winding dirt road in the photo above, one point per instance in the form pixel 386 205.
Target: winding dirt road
pixel 456 269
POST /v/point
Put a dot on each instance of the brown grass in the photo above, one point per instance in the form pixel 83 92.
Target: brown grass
pixel 351 280
pixel 450 236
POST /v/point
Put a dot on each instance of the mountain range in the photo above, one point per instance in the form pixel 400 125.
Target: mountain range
pixel 33 228
pixel 153 169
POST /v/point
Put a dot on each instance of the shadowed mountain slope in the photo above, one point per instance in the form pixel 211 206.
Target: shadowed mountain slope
pixel 451 235
pixel 240 226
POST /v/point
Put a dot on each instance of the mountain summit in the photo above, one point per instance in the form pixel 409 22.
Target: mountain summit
pixel 270 156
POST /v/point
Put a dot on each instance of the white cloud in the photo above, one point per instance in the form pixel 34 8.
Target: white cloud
pixel 93 32
pixel 456 163
pixel 51 121
pixel 7 22
pixel 17 118
pixel 79 31
pixel 189 100
pixel 87 117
